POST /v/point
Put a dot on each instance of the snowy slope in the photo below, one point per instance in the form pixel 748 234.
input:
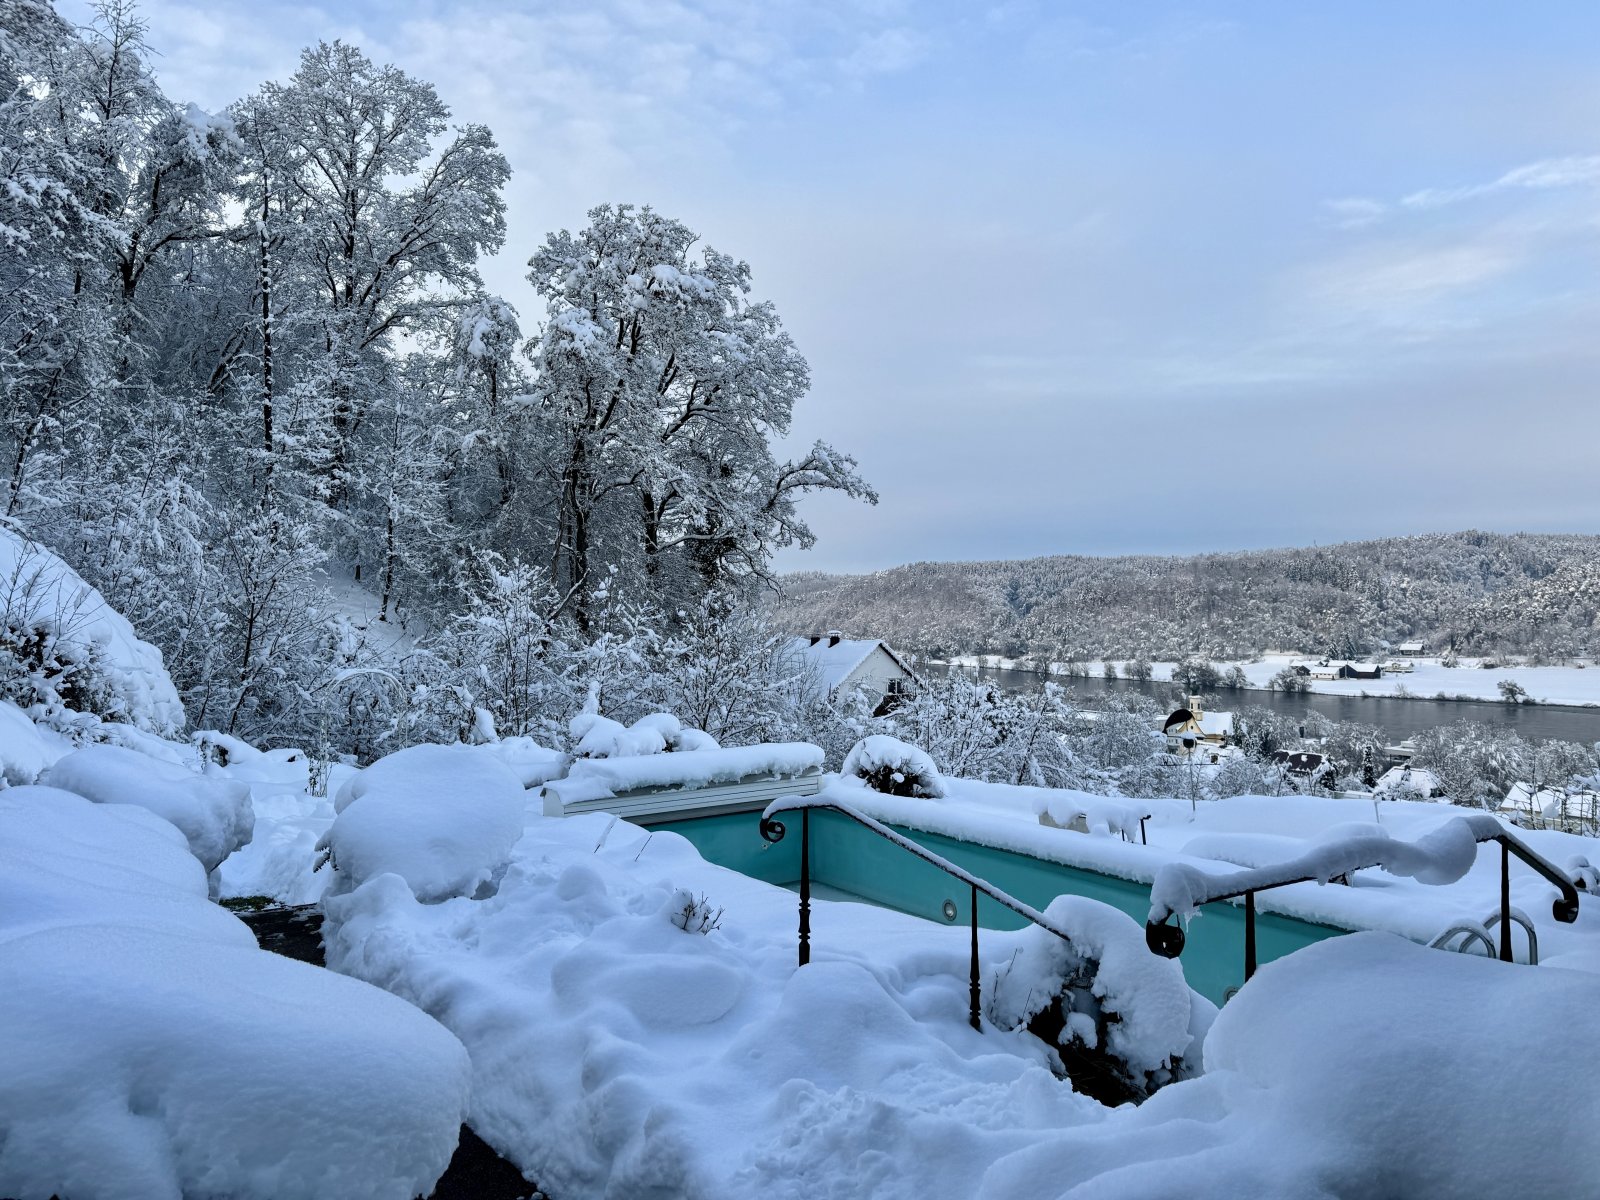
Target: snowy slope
pixel 41 594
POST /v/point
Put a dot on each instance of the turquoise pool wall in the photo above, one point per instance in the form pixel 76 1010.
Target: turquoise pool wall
pixel 846 856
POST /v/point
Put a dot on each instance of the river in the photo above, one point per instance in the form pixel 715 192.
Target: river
pixel 1399 718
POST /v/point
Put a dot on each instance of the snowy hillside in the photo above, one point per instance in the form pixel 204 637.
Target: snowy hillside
pixel 1506 593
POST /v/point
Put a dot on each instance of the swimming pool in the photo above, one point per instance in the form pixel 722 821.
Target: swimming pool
pixel 852 860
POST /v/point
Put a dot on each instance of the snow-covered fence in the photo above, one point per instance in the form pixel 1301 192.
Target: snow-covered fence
pixel 1440 857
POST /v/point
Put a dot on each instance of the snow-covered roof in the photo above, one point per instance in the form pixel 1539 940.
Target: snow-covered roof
pixel 1524 798
pixel 1550 802
pixel 1215 724
pixel 1413 646
pixel 836 660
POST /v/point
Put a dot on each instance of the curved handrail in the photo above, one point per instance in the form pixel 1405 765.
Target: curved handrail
pixel 774 831
pixel 1168 940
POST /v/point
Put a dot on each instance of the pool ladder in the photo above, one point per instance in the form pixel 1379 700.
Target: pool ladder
pixel 1469 933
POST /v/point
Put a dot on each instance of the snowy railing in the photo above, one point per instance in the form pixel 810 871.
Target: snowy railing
pixel 1440 857
pixel 774 831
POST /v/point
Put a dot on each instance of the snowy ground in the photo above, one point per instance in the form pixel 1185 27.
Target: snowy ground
pixel 615 1053
pixel 1572 685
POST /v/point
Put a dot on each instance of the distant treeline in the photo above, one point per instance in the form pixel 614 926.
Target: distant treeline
pixel 1536 595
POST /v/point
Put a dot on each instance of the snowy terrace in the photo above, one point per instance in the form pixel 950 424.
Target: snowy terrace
pixel 636 1025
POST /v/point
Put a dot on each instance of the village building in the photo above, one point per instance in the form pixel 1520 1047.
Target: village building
pixel 1192 730
pixel 1339 669
pixel 1411 649
pixel 1306 766
pixel 845 664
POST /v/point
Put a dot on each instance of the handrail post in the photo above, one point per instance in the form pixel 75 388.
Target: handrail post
pixel 1505 902
pixel 977 1022
pixel 805 886
pixel 1249 935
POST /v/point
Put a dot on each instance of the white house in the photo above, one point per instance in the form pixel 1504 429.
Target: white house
pixel 843 664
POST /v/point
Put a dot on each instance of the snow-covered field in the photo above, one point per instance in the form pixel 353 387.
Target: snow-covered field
pixel 1572 685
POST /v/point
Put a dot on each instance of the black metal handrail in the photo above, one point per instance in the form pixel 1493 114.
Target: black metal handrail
pixel 774 831
pixel 1168 940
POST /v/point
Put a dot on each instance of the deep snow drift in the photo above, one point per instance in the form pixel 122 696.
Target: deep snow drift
pixel 214 814
pixel 1361 1066
pixel 616 1054
pixel 151 1050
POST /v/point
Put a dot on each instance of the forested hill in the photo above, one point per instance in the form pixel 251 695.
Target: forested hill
pixel 1479 592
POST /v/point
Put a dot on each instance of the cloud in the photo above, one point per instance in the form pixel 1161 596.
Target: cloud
pixel 1354 212
pixel 1571 171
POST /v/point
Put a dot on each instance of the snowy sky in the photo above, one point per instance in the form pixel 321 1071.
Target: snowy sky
pixel 1078 277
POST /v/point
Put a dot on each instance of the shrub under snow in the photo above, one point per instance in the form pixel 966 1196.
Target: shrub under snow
pixel 64 650
pixel 894 767
pixel 213 814
pixel 152 1050
pixel 595 736
pixel 443 818
pixel 1124 1018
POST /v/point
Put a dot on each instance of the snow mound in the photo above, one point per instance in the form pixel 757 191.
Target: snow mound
pixel 534 764
pixel 443 818
pixel 153 1051
pixel 145 1064
pixel 1096 814
pixel 87 652
pixel 25 749
pixel 601 737
pixel 1360 1066
pixel 213 814
pixel 894 767
pixel 602 778
pixel 67 860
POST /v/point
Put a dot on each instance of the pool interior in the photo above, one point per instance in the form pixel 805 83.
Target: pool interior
pixel 850 862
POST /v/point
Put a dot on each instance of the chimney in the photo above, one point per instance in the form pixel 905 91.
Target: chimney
pixel 834 637
pixel 815 638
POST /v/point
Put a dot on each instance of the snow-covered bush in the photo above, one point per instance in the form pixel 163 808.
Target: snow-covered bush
pixel 214 814
pixel 443 818
pixel 595 736
pixel 1122 1019
pixel 893 767
pixel 692 913
pixel 65 651
pixel 1241 777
